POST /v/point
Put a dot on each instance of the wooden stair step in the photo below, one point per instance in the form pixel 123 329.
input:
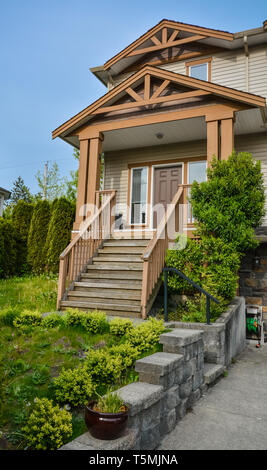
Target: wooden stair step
pixel 106 297
pixel 121 250
pixel 100 306
pixel 105 286
pixel 110 312
pixel 121 275
pixel 120 281
pixel 117 266
pixel 126 242
pixel 121 258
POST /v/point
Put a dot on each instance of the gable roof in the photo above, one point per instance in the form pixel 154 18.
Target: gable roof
pixel 107 102
pixel 197 33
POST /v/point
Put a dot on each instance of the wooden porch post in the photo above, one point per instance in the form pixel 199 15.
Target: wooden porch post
pixel 82 181
pixel 93 177
pixel 227 137
pixel 212 140
pixel 89 175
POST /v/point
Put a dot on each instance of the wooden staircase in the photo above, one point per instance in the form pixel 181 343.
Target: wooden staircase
pixel 113 280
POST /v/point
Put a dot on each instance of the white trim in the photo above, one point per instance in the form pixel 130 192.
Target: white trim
pixel 160 165
pixel 130 208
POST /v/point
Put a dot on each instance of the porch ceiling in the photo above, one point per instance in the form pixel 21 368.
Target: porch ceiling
pixel 248 121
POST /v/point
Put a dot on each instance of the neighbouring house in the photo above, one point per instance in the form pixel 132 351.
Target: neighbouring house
pixel 176 96
pixel 4 195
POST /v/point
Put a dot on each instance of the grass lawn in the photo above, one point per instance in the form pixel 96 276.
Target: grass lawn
pixel 29 292
pixel 32 357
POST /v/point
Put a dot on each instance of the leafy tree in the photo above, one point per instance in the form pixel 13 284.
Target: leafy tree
pixel 8 249
pixel 20 192
pixel 37 236
pixel 231 203
pixel 54 187
pixel 21 219
pixel 59 232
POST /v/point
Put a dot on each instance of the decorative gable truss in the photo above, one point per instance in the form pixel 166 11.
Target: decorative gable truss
pixel 167 41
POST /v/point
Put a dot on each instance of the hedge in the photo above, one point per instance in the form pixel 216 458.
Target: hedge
pixel 37 237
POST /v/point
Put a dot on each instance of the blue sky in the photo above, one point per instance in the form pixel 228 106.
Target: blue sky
pixel 47 48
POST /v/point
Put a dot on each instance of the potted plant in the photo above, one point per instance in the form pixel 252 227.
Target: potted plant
pixel 106 418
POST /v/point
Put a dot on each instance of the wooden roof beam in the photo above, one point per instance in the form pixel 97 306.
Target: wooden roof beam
pixel 145 50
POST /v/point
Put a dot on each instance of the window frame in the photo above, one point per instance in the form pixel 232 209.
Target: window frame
pixel 141 167
pixel 193 63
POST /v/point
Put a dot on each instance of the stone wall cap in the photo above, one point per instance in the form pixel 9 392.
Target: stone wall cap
pixel 87 442
pixel 140 395
pixel 181 337
pixel 160 363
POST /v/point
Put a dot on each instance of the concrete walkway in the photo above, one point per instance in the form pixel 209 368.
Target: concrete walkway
pixel 232 415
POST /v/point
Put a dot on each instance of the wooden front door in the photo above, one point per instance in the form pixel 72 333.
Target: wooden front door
pixel 166 182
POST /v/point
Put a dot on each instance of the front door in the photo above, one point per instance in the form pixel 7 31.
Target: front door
pixel 166 182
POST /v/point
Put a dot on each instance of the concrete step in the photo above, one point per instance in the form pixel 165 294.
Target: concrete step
pixel 212 372
pixel 101 306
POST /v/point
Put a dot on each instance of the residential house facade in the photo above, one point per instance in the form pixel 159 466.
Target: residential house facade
pixel 176 96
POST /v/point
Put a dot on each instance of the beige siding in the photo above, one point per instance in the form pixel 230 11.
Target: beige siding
pixel 256 144
pixel 116 164
pixel 229 69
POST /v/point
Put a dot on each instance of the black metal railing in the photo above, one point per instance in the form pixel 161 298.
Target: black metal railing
pixel 203 291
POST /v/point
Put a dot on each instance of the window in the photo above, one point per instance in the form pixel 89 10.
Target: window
pixel 200 69
pixel 139 195
pixel 197 171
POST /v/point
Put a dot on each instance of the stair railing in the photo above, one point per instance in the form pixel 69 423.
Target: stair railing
pixel 155 252
pixel 94 230
pixel 209 297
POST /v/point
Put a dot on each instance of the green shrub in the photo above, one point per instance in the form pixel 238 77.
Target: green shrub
pixel 48 426
pixel 8 249
pixel 8 315
pixel 74 386
pixel 104 367
pixel 146 335
pixel 21 219
pixel 28 318
pixel 74 317
pixel 37 237
pixel 127 352
pixel 209 262
pixel 95 322
pixel 52 320
pixel 59 232
pixel 120 326
pixel 231 203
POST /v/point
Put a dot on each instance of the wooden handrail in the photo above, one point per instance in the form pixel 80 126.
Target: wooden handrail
pixel 155 252
pixel 81 249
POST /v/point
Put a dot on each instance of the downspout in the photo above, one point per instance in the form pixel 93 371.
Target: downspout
pixel 245 39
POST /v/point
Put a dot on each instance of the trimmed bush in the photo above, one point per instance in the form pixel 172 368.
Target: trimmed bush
pixel 95 322
pixel 74 386
pixel 103 367
pixel 59 232
pixel 120 326
pixel 28 318
pixel 21 220
pixel 8 316
pixel 37 237
pixel 48 426
pixel 146 335
pixel 127 352
pixel 231 203
pixel 53 320
pixel 8 249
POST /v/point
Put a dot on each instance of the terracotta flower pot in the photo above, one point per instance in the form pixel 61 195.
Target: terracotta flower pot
pixel 107 426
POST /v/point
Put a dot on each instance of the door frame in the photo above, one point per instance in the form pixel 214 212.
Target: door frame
pixel 160 165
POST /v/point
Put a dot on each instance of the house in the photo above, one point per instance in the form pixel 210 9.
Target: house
pixel 4 194
pixel 176 96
